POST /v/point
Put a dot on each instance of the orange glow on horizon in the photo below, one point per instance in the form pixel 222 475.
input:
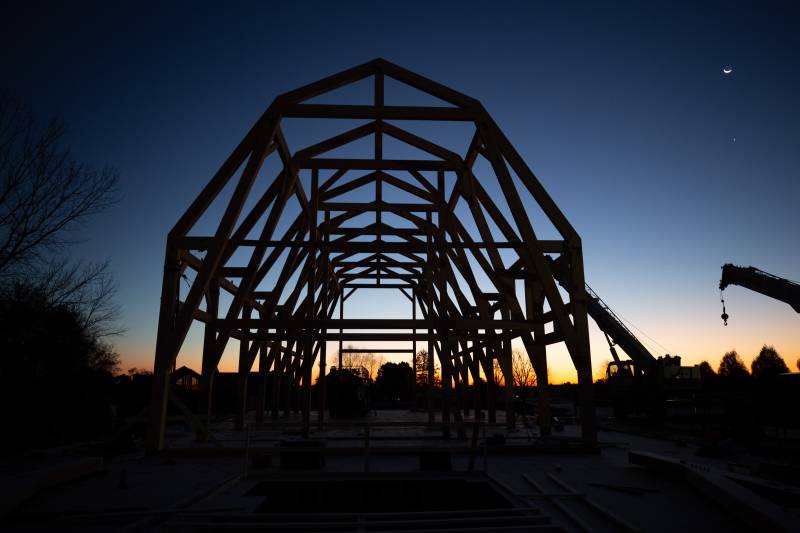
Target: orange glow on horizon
pixel 692 351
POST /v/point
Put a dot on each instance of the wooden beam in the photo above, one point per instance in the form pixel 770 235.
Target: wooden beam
pixel 372 164
pixel 376 112
pixel 453 324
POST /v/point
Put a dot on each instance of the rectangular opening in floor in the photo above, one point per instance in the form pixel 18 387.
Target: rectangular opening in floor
pixel 377 495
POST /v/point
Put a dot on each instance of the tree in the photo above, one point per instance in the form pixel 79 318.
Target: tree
pixel 602 371
pixel 768 363
pixel 423 359
pixel 393 382
pixel 522 370
pixel 797 363
pixel 706 369
pixel 55 314
pixel 732 367
pixel 708 378
pixel 40 337
pixel 499 376
pixel 86 289
pixel 44 192
pixel 372 363
pixel 707 374
pixel 367 360
pixel 421 368
pixel 103 357
pixel 44 195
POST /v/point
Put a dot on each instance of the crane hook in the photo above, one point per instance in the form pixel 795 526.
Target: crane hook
pixel 724 315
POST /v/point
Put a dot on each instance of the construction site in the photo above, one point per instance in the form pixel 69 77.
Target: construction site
pixel 300 438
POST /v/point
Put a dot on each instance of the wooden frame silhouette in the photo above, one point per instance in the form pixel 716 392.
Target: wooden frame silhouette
pixel 434 258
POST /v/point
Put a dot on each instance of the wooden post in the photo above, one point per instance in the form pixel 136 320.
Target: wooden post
pixel 326 288
pixel 431 314
pixel 242 377
pixel 313 267
pixel 414 351
pixel 444 325
pixel 341 317
pixel 508 377
pixel 583 358
pixel 209 364
pixel 534 301
pixel 263 372
pixel 491 385
pixel 277 378
pixel 165 351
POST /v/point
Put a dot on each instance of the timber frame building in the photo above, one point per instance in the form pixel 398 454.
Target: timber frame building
pixel 294 232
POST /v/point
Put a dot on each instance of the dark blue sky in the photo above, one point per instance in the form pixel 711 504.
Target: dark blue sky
pixel 622 111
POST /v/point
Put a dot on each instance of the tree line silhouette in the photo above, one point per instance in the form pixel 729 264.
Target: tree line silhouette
pixel 765 368
pixel 56 314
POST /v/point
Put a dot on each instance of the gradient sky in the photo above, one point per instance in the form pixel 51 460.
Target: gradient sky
pixel 623 112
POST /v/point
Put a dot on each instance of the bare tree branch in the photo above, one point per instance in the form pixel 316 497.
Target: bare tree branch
pixel 522 370
pixel 88 290
pixel 367 360
pixel 44 193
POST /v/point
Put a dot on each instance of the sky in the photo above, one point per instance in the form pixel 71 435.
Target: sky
pixel 666 166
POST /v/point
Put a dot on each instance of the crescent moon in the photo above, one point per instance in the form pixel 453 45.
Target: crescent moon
pixel 727 70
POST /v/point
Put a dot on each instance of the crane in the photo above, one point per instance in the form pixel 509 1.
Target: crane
pixel 645 382
pixel 782 289
pixel 617 334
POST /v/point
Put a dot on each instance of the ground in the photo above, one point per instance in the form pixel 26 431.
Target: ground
pixel 207 481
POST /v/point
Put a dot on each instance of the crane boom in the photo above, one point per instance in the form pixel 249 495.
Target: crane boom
pixel 645 384
pixel 762 282
pixel 610 324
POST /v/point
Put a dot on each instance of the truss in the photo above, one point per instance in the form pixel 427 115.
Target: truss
pixel 451 230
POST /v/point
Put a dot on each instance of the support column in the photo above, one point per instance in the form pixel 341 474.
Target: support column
pixel 414 351
pixel 582 359
pixel 431 313
pixel 444 353
pixel 534 302
pixel 508 378
pixel 475 369
pixel 287 383
pixel 443 326
pixel 243 373
pixel 327 285
pixel 462 370
pixel 307 365
pixel 341 317
pixel 491 385
pixel 165 351
pixel 263 371
pixel 209 365
pixel 277 378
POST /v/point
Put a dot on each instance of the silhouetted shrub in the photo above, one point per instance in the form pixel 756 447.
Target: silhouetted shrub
pixel 55 380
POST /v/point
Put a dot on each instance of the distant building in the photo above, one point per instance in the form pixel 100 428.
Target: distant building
pixel 186 379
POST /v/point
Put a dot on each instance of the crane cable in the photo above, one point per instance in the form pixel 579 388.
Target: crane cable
pixel 658 344
pixel 724 314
